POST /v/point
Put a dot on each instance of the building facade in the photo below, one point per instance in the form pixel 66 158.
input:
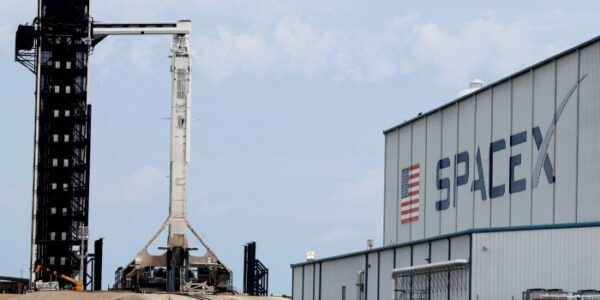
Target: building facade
pixel 488 196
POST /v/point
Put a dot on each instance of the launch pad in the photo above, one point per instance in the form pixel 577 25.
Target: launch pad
pixel 56 48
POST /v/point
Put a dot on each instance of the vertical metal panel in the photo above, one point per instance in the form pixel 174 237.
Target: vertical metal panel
pixel 543 111
pixel 391 188
pixel 404 161
pixel 317 275
pixel 565 187
pixel 341 272
pixel 460 247
pixel 588 189
pixel 501 127
pixel 466 142
pixel 483 123
pixel 308 282
pixel 403 258
pixel 419 134
pixel 449 147
pixel 372 280
pixel 520 207
pixel 507 263
pixel 434 138
pixel 439 250
pixel 420 254
pixel 297 284
pixel 386 266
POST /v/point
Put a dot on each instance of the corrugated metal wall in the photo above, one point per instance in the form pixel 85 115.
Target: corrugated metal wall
pixel 502 128
pixel 507 263
pixel 336 273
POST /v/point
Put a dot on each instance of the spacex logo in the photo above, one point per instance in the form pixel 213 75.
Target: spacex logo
pixel 483 184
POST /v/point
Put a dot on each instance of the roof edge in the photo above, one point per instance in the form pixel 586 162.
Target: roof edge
pixel 451 235
pixel 495 83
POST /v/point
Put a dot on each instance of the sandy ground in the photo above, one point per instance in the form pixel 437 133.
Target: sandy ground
pixel 223 297
pixel 67 295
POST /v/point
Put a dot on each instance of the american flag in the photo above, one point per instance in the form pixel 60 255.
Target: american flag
pixel 409 200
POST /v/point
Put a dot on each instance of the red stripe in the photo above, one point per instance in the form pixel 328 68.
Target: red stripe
pixel 413 193
pixel 412 219
pixel 410 211
pixel 414 167
pixel 415 175
pixel 414 184
pixel 411 202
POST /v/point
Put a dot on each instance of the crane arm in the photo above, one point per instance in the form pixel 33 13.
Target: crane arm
pixel 77 285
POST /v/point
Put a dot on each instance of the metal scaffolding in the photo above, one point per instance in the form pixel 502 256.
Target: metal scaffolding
pixel 56 49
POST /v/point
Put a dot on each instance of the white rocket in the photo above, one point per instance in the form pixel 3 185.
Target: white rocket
pixel 180 140
pixel 177 256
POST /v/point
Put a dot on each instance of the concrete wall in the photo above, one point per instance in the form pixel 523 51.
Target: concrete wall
pixel 477 157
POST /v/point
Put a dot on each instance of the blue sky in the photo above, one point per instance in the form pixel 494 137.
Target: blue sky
pixel 291 98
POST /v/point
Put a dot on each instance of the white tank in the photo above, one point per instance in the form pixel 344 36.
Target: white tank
pixel 473 86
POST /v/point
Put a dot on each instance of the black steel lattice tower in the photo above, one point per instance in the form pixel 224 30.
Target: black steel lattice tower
pixel 256 275
pixel 56 49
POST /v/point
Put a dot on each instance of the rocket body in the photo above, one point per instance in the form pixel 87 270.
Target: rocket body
pixel 180 140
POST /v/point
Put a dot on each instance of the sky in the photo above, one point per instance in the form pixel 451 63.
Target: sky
pixel 290 97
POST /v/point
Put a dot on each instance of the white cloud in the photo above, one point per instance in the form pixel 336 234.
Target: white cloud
pixel 301 46
pixel 365 63
pixel 220 56
pixel 275 42
pixel 481 43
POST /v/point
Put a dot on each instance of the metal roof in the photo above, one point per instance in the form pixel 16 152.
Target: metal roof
pixel 14 279
pixel 491 85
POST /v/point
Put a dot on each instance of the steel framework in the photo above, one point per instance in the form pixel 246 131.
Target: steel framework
pixel 256 275
pixel 56 49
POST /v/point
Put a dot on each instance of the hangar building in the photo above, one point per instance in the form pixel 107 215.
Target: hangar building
pixel 486 197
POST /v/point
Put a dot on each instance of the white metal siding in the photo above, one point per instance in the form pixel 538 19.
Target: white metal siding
pixel 308 282
pixel 483 125
pixel 466 142
pixel 507 263
pixel 543 110
pixel 524 104
pixel 403 258
pixel 501 108
pixel 566 143
pixel 434 148
pixel 404 160
pixel 385 275
pixel 439 253
pixel 419 140
pixel 390 217
pixel 372 278
pixel 338 273
pixel 317 278
pixel 449 148
pixel 297 283
pixel 588 189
